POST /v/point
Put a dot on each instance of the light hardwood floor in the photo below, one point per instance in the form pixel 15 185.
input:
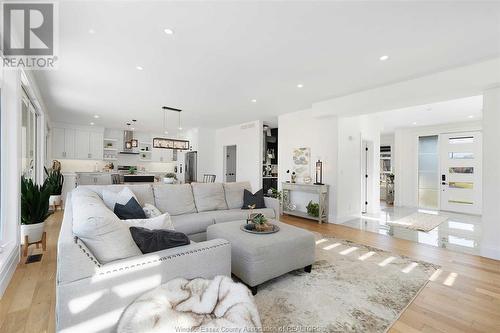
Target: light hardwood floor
pixel 465 297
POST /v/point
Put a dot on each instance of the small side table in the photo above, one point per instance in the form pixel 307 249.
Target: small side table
pixel 43 241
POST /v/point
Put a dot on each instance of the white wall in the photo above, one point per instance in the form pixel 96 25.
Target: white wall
pixel 406 158
pixel 490 243
pixel 301 129
pixel 11 174
pixel 352 131
pixel 248 140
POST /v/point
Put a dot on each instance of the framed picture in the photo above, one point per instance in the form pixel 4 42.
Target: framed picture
pixel 170 143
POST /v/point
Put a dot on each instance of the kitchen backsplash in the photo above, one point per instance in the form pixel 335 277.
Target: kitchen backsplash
pixel 69 166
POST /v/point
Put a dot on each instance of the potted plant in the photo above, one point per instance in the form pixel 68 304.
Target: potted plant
pixel 34 209
pixel 54 181
pixel 170 178
pixel 313 209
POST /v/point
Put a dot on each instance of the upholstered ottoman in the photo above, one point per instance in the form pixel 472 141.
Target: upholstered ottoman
pixel 259 258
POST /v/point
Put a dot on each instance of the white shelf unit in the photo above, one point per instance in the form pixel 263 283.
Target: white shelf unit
pixel 145 151
pixel 110 149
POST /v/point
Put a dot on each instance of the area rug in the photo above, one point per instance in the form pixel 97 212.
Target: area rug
pixel 352 288
pixel 419 221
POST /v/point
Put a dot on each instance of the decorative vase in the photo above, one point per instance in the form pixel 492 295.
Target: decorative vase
pixel 55 200
pixel 33 231
pixel 168 180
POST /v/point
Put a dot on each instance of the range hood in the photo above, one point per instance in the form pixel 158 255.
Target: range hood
pixel 128 136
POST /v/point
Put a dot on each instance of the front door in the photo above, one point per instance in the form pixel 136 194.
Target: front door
pixel 461 166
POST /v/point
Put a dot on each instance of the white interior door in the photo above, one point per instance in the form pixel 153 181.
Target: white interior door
pixel 461 172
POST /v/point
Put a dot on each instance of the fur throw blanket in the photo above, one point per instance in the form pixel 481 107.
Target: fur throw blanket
pixel 199 305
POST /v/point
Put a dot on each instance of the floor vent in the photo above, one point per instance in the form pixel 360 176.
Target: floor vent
pixel 34 258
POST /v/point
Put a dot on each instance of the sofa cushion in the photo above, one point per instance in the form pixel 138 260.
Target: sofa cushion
pixel 142 192
pixel 174 199
pixel 131 210
pixel 111 198
pixel 100 229
pixel 239 214
pixel 193 223
pixel 159 222
pixel 234 193
pixel 156 240
pixel 209 196
pixel 255 200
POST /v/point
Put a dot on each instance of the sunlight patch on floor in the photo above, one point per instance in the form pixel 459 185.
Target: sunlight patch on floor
pixel 349 250
pixel 332 246
pixel 387 261
pixel 409 268
pixel 366 255
pixel 450 279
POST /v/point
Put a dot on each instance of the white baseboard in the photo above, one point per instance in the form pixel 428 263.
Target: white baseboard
pixel 9 267
pixel 490 252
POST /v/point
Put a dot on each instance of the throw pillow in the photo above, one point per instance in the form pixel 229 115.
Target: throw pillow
pixel 156 240
pixel 100 230
pixel 151 211
pixel 159 222
pixel 110 198
pixel 256 199
pixel 131 210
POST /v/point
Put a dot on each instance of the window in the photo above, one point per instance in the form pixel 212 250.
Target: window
pixel 461 170
pixel 461 156
pixel 461 140
pixel 29 134
pixel 428 172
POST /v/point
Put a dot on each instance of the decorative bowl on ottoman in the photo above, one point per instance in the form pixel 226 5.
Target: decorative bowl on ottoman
pixel 198 305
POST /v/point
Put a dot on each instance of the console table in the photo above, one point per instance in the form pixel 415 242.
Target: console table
pixel 320 190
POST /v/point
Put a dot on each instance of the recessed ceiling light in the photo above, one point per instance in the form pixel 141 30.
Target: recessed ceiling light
pixel 132 128
pixel 139 68
pixel 166 132
pixel 384 58
pixel 254 100
pixel 92 123
pixel 414 123
pixel 91 31
pixel 96 116
pixel 168 31
pixel 180 128
pixel 300 85
pixel 470 117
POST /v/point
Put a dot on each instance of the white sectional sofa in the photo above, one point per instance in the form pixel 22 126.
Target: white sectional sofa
pixel 91 296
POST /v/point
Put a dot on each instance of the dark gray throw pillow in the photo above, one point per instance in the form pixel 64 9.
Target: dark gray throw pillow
pixel 131 210
pixel 156 240
pixel 256 199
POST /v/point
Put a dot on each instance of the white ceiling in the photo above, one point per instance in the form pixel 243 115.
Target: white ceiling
pixel 224 54
pixel 453 111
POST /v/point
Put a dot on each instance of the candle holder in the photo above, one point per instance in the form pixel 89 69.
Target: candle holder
pixel 319 173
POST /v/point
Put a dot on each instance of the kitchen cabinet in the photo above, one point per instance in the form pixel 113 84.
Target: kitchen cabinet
pixel 88 145
pixel 161 155
pixel 88 178
pixel 63 143
pixel 80 144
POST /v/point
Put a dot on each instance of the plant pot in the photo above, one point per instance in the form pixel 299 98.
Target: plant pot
pixel 168 180
pixel 33 231
pixel 55 200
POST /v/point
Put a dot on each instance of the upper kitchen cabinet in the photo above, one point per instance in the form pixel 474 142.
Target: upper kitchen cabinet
pixel 161 155
pixel 77 142
pixel 63 142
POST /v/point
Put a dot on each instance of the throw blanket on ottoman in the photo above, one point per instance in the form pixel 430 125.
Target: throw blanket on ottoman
pixel 180 305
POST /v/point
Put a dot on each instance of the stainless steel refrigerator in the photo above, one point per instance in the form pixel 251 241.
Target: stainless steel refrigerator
pixel 190 166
